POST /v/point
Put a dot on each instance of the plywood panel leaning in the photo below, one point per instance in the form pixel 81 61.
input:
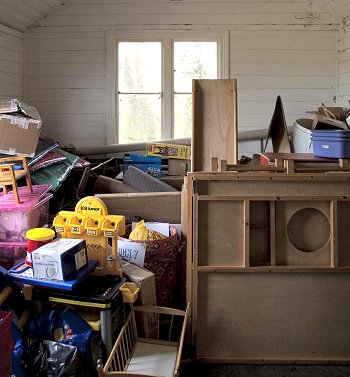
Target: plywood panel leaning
pixel 214 131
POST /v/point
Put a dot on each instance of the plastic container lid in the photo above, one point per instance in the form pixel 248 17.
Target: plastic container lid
pixel 331 134
pixel 27 199
pixel 40 234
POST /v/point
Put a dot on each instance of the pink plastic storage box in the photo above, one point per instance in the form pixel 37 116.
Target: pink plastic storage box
pixel 32 212
pixel 13 250
pixel 12 253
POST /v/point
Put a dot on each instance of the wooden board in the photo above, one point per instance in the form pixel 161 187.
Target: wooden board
pixel 153 359
pixel 273 317
pixel 159 207
pixel 214 122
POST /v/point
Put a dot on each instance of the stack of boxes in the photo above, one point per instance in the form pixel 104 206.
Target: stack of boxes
pixel 20 127
pixel 179 157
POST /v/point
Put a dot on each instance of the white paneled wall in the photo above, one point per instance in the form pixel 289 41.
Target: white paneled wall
pixel 11 63
pixel 344 66
pixel 66 81
pixel 275 49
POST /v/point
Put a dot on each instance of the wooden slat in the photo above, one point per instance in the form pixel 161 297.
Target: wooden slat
pixel 246 233
pixel 334 234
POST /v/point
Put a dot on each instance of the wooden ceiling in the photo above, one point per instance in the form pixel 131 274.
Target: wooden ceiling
pixel 22 14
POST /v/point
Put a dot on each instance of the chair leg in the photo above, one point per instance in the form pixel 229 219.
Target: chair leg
pixel 28 178
pixel 14 186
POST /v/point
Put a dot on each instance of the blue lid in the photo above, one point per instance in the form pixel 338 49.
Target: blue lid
pixel 331 134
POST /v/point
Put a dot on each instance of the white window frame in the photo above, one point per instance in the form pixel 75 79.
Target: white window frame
pixel 167 37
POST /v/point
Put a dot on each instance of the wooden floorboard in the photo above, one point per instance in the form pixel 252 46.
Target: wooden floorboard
pixel 238 370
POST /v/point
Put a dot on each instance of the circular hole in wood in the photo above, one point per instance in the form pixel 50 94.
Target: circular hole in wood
pixel 308 230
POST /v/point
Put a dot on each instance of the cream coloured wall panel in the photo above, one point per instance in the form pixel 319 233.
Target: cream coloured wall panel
pixel 60 82
pixel 75 120
pixel 116 20
pixel 176 7
pixel 78 69
pixel 344 66
pixel 11 63
pixel 66 94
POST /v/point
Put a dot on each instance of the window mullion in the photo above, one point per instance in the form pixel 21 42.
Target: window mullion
pixel 167 85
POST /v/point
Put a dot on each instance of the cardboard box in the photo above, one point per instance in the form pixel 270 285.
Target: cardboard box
pixel 59 259
pixel 151 165
pixel 178 167
pixel 322 122
pixel 20 128
pixel 147 323
pixel 182 152
pixel 144 279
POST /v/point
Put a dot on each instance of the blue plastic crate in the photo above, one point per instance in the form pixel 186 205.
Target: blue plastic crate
pixel 331 143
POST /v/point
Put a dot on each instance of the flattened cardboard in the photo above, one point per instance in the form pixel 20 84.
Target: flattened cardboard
pixel 278 130
pixel 178 167
pixel 19 135
pixel 322 122
pixel 15 106
pixel 20 127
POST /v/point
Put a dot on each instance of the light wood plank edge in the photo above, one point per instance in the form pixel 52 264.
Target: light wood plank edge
pixel 341 198
pixel 246 214
pixel 320 361
pixel 186 220
pixel 194 269
pixel 235 120
pixel 258 176
pixel 334 233
pixel 273 253
pixel 278 269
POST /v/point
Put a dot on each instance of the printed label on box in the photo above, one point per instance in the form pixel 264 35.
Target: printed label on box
pixel 80 259
pixel 133 252
pixel 59 259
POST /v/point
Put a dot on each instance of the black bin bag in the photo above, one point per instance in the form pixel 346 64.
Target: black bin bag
pixel 53 359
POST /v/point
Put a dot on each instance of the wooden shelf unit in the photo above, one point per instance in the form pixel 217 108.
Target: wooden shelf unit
pixel 251 239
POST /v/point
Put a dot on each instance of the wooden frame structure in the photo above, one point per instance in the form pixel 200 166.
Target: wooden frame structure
pixel 268 267
pixel 285 163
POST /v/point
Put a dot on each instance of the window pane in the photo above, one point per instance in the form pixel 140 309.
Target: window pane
pixel 139 69
pixel 139 118
pixel 182 115
pixel 193 60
